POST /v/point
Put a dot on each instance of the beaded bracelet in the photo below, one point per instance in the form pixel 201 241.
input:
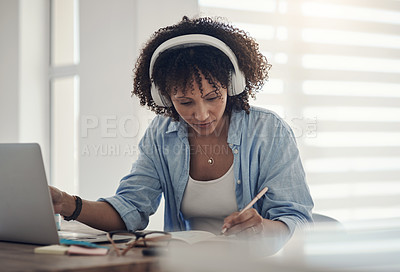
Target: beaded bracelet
pixel 78 209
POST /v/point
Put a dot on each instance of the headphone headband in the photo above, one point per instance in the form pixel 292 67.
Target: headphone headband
pixel 238 80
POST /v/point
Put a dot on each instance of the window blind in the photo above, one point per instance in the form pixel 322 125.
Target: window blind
pixel 335 79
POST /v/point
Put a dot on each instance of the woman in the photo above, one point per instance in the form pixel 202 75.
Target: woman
pixel 207 151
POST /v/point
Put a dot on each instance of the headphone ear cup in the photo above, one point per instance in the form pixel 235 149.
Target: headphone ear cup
pixel 158 98
pixel 237 84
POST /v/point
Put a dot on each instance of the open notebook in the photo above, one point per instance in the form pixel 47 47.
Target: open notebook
pixel 26 210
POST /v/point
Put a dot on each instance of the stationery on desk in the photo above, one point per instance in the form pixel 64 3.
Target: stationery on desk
pixel 70 250
pixel 189 237
pixel 72 247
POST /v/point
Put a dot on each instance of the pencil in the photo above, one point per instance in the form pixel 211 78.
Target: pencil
pixel 254 200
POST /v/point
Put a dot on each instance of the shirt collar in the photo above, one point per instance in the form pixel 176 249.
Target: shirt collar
pixel 235 127
pixel 173 126
pixel 180 127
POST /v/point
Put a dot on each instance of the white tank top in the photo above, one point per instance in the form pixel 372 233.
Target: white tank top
pixel 206 203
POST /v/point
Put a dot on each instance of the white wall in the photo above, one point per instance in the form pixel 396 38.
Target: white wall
pixel 9 56
pixel 106 57
pixel 34 105
pixel 24 108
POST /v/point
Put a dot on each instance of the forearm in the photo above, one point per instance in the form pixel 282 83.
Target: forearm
pixel 97 214
pixel 274 228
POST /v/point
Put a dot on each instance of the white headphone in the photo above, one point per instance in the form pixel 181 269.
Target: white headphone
pixel 238 80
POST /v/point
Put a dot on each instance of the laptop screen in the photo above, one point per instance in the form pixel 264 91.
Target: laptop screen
pixel 26 211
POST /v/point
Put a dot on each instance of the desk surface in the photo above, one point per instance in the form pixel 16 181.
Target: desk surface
pixel 356 248
pixel 20 257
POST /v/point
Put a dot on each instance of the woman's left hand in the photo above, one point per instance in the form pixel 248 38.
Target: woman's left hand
pixel 249 223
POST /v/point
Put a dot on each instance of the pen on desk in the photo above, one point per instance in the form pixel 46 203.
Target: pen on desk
pixel 255 199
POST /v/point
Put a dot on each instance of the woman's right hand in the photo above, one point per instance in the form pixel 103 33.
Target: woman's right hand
pixel 57 198
pixel 96 214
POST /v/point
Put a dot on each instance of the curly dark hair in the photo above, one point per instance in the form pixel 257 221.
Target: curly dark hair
pixel 180 68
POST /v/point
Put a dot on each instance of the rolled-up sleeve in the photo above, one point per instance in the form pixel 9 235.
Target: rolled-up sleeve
pixel 139 193
pixel 288 198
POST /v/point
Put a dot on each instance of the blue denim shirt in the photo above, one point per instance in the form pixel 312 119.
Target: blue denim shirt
pixel 265 154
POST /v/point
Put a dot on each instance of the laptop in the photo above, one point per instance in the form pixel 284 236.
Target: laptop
pixel 26 209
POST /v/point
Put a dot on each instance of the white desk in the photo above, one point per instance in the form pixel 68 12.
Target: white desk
pixel 362 246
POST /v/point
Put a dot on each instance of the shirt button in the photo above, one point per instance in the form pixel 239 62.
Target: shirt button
pixel 235 151
pixel 238 181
